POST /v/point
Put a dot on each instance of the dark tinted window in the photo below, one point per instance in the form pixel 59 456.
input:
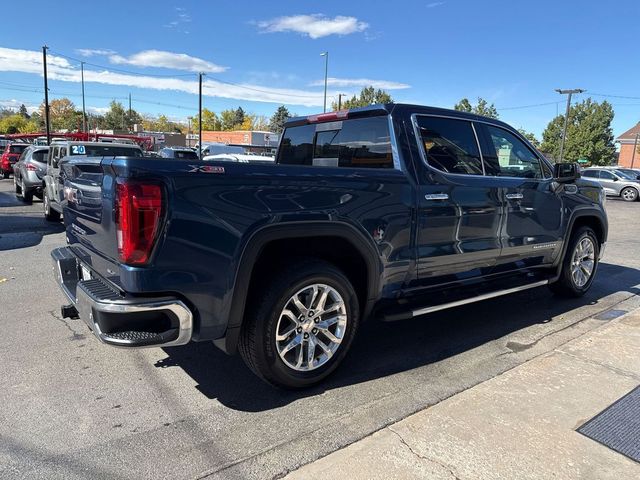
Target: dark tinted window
pixel 358 143
pixel 17 148
pixel 40 156
pixel 508 156
pixel 590 173
pixel 450 145
pixel 604 175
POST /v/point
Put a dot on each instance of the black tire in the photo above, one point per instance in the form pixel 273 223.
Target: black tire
pixel 25 193
pixel 5 175
pixel 566 286
pixel 257 343
pixel 629 194
pixel 16 187
pixel 50 214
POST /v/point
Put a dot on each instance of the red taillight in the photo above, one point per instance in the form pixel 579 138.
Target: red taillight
pixel 327 117
pixel 138 214
pixel 31 167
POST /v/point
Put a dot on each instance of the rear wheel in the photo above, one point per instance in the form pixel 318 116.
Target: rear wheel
pixel 27 195
pixel 6 175
pixel 16 186
pixel 49 213
pixel 302 326
pixel 579 264
pixel 629 194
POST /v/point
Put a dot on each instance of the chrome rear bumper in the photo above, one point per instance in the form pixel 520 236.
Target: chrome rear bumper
pixel 101 307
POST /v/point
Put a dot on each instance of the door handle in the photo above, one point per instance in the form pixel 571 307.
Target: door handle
pixel 514 196
pixel 436 196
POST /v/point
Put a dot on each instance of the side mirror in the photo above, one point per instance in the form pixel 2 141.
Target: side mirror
pixel 566 172
pixel 615 179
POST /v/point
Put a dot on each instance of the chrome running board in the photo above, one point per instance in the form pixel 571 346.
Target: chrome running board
pixel 479 298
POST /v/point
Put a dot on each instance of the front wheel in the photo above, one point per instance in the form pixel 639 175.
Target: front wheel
pixel 579 264
pixel 629 194
pixel 302 326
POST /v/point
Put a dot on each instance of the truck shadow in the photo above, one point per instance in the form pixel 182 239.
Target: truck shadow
pixel 383 349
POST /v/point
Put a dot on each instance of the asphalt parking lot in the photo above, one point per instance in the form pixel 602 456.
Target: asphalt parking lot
pixel 74 408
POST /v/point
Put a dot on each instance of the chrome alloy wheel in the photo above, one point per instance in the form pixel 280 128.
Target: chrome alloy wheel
pixel 583 262
pixel 311 327
pixel 629 194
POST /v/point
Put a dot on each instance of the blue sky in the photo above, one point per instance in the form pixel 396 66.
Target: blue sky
pixel 262 54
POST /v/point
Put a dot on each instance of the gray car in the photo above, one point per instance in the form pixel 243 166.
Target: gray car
pixel 614 183
pixel 29 171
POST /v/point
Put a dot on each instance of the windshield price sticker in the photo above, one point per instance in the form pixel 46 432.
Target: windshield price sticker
pixel 78 150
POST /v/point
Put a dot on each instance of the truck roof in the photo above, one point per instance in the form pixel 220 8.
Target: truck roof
pixel 386 109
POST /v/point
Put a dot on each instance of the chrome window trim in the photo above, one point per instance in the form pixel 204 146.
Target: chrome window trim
pixel 395 155
pixel 414 118
pixel 475 134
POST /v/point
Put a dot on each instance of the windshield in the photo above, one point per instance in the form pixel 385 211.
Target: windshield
pixel 106 151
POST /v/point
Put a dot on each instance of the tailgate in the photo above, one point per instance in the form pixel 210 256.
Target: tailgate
pixel 88 206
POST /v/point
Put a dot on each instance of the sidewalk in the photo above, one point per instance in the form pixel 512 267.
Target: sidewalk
pixel 519 425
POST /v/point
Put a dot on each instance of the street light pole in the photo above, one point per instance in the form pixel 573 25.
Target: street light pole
pixel 326 71
pixel 200 115
pixel 84 113
pixel 566 116
pixel 46 94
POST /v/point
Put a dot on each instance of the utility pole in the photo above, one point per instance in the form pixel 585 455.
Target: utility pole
pixel 200 115
pixel 46 94
pixel 340 95
pixel 84 113
pixel 326 70
pixel 566 116
pixel 635 147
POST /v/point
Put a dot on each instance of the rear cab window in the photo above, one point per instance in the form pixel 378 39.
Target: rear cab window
pixel 350 143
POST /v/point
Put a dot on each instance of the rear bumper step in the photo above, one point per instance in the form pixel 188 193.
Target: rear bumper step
pixel 116 318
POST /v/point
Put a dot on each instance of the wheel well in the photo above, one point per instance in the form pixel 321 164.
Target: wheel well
pixel 592 222
pixel 336 250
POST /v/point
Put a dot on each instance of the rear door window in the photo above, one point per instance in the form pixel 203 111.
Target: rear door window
pixel 590 173
pixel 450 145
pixel 355 143
pixel 39 156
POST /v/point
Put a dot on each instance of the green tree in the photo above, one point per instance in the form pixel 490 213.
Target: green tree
pixel 533 140
pixel 368 96
pixel 276 124
pixel 23 111
pixel 589 134
pixel 16 123
pixel 239 117
pixel 483 107
pixel 228 119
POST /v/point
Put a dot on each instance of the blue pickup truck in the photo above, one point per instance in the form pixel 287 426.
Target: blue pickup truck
pixel 388 212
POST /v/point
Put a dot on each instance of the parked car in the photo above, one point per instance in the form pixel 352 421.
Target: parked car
pixel 29 172
pixel 388 211
pixel 614 183
pixel 181 153
pixel 631 173
pixel 219 148
pixel 10 156
pixel 56 193
pixel 232 157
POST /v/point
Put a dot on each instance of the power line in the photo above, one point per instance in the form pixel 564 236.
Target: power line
pixel 529 106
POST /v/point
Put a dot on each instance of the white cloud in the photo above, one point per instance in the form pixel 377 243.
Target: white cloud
pixel 92 52
pixel 435 4
pixel 360 82
pixel 98 110
pixel 160 58
pixel 14 104
pixel 315 26
pixel 27 61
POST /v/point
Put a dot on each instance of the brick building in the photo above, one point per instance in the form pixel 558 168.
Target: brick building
pixel 627 141
pixel 253 141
